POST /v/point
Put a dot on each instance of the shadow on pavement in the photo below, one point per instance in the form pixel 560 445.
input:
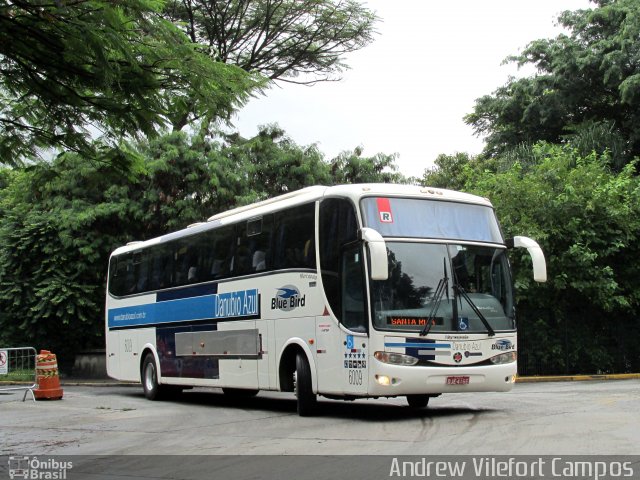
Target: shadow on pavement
pixel 365 410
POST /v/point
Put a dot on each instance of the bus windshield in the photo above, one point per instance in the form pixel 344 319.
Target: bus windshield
pixel 444 288
pixel 438 219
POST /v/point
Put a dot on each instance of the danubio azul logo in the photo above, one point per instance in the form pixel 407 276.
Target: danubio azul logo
pixel 236 304
pixel 287 298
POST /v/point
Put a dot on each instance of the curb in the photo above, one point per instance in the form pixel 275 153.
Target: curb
pixel 97 383
pixel 578 378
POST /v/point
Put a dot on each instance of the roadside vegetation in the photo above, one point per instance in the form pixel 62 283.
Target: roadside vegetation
pixel 111 130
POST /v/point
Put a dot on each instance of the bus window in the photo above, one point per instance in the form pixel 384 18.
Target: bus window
pixel 161 260
pixel 338 227
pixel 222 245
pixel 293 238
pixel 118 272
pixel 259 232
pixel 241 264
pixel 352 290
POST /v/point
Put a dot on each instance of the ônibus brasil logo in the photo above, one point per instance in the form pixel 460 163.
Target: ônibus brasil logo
pixel 35 469
pixel 287 298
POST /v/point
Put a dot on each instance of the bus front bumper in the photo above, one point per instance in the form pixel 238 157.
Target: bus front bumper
pixel 393 380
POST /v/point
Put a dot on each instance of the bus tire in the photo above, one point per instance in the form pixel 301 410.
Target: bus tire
pixel 149 377
pixel 304 391
pixel 418 401
pixel 240 392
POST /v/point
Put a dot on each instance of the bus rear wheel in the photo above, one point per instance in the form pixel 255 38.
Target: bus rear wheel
pixel 307 400
pixel 149 377
pixel 418 401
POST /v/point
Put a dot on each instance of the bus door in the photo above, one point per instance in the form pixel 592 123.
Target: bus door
pixel 343 345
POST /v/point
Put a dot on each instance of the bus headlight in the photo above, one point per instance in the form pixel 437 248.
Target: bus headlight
pixel 504 358
pixel 395 358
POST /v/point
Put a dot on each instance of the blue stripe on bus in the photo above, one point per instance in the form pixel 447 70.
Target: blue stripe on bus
pixel 243 303
pixel 421 345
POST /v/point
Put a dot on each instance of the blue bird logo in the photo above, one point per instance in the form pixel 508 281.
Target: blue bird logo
pixel 284 292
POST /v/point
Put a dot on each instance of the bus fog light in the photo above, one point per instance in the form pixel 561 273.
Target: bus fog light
pixel 395 358
pixel 503 358
pixel 383 380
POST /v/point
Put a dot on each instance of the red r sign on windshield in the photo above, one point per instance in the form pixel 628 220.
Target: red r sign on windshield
pixel 384 210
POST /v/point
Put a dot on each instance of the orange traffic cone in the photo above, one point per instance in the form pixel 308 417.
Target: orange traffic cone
pixel 47 375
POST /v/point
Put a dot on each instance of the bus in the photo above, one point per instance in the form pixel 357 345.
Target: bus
pixel 345 292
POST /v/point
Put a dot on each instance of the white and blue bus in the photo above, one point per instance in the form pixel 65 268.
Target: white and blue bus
pixel 348 292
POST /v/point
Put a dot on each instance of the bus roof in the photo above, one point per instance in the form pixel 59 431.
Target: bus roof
pixel 309 194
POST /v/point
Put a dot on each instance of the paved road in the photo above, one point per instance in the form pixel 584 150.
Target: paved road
pixel 537 419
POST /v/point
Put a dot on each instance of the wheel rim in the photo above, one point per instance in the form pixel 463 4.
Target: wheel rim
pixel 150 377
pixel 295 383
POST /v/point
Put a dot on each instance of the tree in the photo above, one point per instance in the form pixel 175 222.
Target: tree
pixel 352 167
pixel 587 221
pixel 57 224
pixel 448 171
pixel 60 220
pixel 586 90
pixel 72 70
pixel 299 41
pixel 271 163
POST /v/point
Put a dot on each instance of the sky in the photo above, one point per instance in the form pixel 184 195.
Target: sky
pixel 408 91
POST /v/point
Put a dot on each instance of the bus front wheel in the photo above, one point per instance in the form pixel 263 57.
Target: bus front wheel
pixel 418 401
pixel 303 387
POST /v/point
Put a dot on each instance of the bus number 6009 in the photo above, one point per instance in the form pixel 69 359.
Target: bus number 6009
pixel 355 377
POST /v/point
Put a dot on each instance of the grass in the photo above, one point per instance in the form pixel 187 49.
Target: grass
pixel 18 377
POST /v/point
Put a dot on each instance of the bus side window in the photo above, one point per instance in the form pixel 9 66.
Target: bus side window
pixel 259 232
pixel 338 229
pixel 352 289
pixel 161 269
pixel 118 270
pixel 241 264
pixel 293 239
pixel 141 266
pixel 223 247
pixel 182 263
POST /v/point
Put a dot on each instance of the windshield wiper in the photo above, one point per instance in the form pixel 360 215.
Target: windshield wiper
pixel 457 289
pixel 441 288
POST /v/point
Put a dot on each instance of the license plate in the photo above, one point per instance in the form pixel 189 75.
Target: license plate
pixel 458 380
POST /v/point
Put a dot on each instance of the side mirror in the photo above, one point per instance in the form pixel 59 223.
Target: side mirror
pixel 377 253
pixel 535 252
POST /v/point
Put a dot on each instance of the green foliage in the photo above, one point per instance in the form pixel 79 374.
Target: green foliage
pixel 273 164
pixel 299 41
pixel 59 221
pixel 296 41
pixel 587 221
pixel 587 88
pixel 352 167
pixel 71 70
pixel 448 171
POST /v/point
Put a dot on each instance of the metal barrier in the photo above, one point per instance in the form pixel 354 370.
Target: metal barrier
pixel 18 370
